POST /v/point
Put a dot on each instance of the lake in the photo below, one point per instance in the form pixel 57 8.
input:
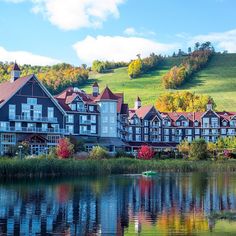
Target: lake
pixel 169 204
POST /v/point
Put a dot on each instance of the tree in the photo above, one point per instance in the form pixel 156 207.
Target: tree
pixel 145 152
pixel 134 68
pixel 184 148
pixel 198 150
pixel 197 45
pixel 65 148
pixel 98 153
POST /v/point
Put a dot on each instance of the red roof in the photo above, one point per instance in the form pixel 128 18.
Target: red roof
pixel 106 95
pixel 143 111
pixel 8 89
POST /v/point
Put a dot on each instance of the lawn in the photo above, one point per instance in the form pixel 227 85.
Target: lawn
pixel 218 80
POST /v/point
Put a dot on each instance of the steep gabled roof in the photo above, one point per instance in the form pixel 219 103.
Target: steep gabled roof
pixel 8 89
pixel 106 95
pixel 143 111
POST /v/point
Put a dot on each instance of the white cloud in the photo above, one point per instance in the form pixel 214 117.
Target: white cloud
pixel 130 31
pixel 118 48
pixel 23 57
pixel 222 41
pixel 75 14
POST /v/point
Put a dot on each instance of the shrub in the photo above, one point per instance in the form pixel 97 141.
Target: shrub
pixel 64 148
pixel 145 153
pixel 198 150
pixel 98 153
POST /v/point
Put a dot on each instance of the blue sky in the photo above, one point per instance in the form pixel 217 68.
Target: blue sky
pixel 79 31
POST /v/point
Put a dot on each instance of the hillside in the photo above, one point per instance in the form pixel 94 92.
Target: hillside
pixel 218 80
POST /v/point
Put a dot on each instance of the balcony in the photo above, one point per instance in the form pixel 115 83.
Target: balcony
pixel 32 130
pixel 85 132
pixel 85 122
pixel 33 119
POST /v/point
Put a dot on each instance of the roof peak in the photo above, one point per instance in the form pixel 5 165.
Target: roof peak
pixel 16 67
pixel 107 95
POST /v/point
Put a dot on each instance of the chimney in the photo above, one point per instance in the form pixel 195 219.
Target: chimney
pixel 209 105
pixel 137 103
pixel 15 73
pixel 95 89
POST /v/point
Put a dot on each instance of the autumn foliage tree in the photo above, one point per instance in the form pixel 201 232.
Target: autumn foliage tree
pixel 196 60
pixel 134 68
pixel 146 152
pixel 65 148
pixel 183 102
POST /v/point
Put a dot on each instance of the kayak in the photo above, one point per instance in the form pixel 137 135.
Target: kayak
pixel 149 173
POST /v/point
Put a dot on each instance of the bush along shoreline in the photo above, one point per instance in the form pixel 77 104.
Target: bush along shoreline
pixel 39 168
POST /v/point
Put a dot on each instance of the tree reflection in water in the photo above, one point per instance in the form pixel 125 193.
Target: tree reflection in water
pixel 171 203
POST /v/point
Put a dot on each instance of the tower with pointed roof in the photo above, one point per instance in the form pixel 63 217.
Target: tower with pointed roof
pixel 15 73
pixel 138 103
pixel 209 105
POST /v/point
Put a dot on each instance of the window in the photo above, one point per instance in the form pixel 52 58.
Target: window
pixel 93 129
pixel 189 138
pixel 50 112
pixel 196 123
pixel 18 125
pixel 8 138
pixel 37 111
pixel 205 122
pixel 91 108
pixel 93 119
pixel 112 119
pixel 214 122
pixel 146 130
pixel 145 122
pixel 146 138
pixel 83 119
pixel 73 107
pixel 12 111
pixel 166 138
pixel 184 123
pixel 70 129
pixel 130 129
pixel 25 109
pixel 105 129
pixel 224 123
pixel 197 131
pixel 104 107
pixel 83 129
pixel 138 130
pixel 104 119
pixel 138 137
pixel 32 101
pixel 70 119
pixel 80 106
pixel 223 131
pixel 53 138
pixel 233 123
pixel 166 131
pixel 55 126
pixel 44 127
pixel 178 123
pixel 188 131
pixel 112 107
pixel 31 125
pixel 4 125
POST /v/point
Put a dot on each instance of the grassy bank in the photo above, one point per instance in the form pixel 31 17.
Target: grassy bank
pixel 55 167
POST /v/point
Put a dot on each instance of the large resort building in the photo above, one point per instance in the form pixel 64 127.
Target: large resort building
pixel 28 112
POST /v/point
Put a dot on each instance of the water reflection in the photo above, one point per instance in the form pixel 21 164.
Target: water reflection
pixel 171 204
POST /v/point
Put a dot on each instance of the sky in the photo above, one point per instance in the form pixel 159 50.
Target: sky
pixel 46 32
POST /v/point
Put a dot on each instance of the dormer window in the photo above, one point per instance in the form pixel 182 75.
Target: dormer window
pixel 72 107
pixel 178 123
pixel 91 108
pixel 224 123
pixel 196 123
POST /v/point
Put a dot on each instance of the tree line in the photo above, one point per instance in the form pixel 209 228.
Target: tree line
pixel 196 60
pixel 106 66
pixel 55 78
pixel 141 66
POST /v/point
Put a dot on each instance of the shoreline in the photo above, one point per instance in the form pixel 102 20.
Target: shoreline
pixel 40 168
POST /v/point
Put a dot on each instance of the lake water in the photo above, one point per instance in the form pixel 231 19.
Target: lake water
pixel 169 204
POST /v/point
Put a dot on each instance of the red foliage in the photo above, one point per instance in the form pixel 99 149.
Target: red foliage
pixel 145 152
pixel 64 148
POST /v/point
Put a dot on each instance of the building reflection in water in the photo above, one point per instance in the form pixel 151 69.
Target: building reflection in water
pixel 168 204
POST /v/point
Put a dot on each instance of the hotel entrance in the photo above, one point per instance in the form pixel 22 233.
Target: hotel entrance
pixel 37 144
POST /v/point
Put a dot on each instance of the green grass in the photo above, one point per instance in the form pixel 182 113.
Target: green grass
pixel 218 80
pixel 55 167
